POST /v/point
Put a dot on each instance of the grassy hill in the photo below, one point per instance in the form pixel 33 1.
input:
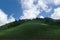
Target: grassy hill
pixel 32 30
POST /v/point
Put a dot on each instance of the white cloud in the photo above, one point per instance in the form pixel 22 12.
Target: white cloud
pixel 57 2
pixel 53 2
pixel 4 18
pixel 43 5
pixel 56 14
pixel 41 17
pixel 11 19
pixel 30 10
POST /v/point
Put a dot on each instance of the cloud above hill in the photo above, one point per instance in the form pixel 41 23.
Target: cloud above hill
pixel 56 14
pixel 4 18
pixel 32 8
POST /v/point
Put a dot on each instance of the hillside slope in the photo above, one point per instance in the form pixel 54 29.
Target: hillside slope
pixel 31 30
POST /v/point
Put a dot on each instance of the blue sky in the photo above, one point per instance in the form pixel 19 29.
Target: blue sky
pixel 11 7
pixel 11 10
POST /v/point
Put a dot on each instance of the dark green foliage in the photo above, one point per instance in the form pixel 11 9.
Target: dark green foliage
pixel 13 24
pixel 40 20
pixel 31 29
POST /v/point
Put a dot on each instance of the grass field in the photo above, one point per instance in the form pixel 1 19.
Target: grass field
pixel 31 31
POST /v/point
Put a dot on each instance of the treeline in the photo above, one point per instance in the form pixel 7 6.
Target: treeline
pixel 49 21
pixel 40 20
pixel 13 24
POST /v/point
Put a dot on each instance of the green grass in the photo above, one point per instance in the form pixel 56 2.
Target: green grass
pixel 31 30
